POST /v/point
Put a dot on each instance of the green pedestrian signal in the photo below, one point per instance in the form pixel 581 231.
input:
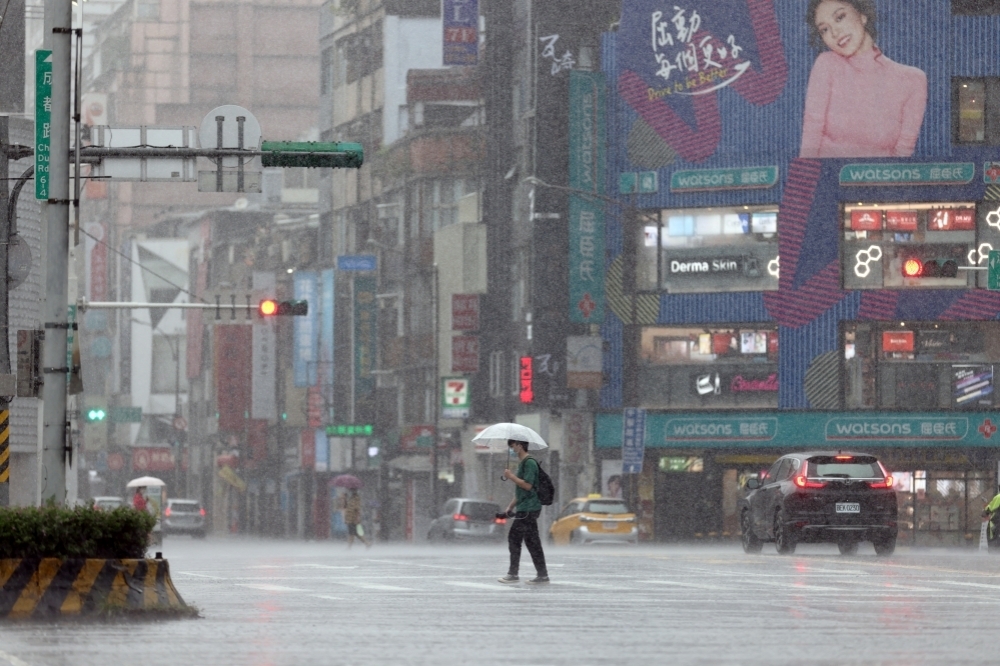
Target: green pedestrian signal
pixel 95 415
pixel 993 282
pixel 313 154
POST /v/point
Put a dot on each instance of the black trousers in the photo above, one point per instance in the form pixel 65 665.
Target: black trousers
pixel 525 528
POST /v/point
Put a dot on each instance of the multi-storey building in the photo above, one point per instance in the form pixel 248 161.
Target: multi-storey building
pixel 806 213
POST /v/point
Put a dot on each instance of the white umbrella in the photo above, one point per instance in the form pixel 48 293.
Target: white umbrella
pixel 496 436
pixel 145 482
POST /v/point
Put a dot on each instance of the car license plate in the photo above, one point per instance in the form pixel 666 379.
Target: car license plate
pixel 848 507
pixel 611 527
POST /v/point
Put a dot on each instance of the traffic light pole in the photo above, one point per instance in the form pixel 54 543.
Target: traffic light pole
pixel 59 19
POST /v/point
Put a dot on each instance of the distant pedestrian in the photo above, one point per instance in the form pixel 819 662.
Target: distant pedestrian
pixel 989 513
pixel 139 501
pixel 525 508
pixel 352 516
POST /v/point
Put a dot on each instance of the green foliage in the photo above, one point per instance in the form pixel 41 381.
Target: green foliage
pixel 80 532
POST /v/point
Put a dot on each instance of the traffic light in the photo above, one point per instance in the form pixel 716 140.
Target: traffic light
pixel 931 268
pixel 272 308
pixel 312 154
pixel 95 415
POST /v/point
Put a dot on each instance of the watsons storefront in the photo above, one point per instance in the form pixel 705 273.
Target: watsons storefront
pixel 695 467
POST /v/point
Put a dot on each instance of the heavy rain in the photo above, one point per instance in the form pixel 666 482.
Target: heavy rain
pixel 499 331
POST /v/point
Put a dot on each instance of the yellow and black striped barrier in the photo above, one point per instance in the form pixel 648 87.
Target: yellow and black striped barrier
pixel 5 446
pixel 51 586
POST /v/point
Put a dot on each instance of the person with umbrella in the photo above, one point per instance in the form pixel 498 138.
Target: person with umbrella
pixel 525 508
pixel 352 508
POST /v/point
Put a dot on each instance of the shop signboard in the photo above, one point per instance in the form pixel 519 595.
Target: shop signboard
pixel 322 448
pixel 465 353
pixel 805 430
pixel 946 173
pixel 991 173
pixel 465 312
pixel 43 122
pixel 455 400
pixel 365 312
pixel 584 361
pixel 742 178
pixel 587 144
pixel 972 386
pixel 633 440
pixel 305 331
pixel 460 20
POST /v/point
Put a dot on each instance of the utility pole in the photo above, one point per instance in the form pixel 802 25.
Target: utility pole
pixel 4 335
pixel 58 20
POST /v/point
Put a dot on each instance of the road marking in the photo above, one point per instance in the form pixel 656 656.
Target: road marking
pixel 326 596
pixel 592 586
pixel 697 586
pixel 414 564
pixel 482 586
pixel 271 588
pixel 325 566
pixel 955 582
pixel 377 586
pixel 191 573
pixel 12 659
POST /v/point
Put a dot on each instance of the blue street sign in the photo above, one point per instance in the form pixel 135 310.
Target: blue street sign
pixel 633 440
pixel 356 262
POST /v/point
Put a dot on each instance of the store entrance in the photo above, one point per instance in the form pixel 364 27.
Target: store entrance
pixel 678 496
pixel 942 508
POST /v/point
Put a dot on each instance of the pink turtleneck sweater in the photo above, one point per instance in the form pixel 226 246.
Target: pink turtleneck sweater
pixel 862 106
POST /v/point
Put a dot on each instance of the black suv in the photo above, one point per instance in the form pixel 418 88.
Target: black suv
pixel 844 498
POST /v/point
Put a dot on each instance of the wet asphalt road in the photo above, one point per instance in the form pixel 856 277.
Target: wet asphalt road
pixel 281 602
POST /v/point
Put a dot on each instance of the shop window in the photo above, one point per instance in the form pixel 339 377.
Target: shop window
pixel 975 7
pixel 976 110
pixel 709 368
pixel 697 250
pixel 921 366
pixel 914 245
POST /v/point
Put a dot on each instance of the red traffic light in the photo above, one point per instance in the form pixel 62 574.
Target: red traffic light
pixel 268 307
pixel 912 268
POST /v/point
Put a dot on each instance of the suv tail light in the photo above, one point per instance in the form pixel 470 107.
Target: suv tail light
pixel 500 521
pixel 460 516
pixel 884 483
pixel 803 481
pixel 167 512
pixel 202 512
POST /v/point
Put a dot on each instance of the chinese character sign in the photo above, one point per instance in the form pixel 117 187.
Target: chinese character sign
pixel 365 311
pixel 633 440
pixel 304 329
pixel 43 121
pixel 460 19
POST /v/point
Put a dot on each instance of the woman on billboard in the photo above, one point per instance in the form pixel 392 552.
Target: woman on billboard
pixel 859 103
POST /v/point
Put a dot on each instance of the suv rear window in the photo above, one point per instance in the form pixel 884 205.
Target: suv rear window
pixel 843 467
pixel 607 507
pixel 480 510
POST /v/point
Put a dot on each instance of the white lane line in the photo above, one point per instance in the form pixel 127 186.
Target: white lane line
pixel 191 573
pixel 327 596
pixel 377 586
pixel 591 586
pixel 955 582
pixel 696 586
pixel 14 661
pixel 325 566
pixel 414 564
pixel 482 586
pixel 813 588
pixel 270 588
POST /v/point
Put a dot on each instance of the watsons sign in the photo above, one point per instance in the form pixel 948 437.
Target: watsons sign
pixel 751 429
pixel 743 178
pixel 893 428
pixel 709 265
pixel 950 173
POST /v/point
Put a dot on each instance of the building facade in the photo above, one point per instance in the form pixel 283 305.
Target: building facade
pixel 796 257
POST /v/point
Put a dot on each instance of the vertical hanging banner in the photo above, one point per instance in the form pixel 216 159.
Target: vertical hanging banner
pixel 233 343
pixel 587 139
pixel 364 335
pixel 305 331
pixel 43 121
pixel 633 440
pixel 326 304
pixel 263 404
pixel 460 19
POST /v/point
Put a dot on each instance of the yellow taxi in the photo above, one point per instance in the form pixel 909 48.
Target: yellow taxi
pixel 594 519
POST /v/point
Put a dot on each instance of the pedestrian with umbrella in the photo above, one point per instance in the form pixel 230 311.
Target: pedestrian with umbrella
pixel 352 508
pixel 526 505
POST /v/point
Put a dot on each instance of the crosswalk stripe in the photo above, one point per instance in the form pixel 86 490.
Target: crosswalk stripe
pixel 267 587
pixel 377 586
pixel 481 586
pixel 955 582
pixel 696 586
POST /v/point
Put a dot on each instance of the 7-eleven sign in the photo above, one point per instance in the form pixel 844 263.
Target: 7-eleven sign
pixel 455 398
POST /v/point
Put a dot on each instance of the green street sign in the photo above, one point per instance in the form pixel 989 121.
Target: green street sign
pixel 946 173
pixel 649 182
pixel 993 283
pixel 126 414
pixel 314 154
pixel 350 430
pixel 628 182
pixel 43 121
pixel 745 178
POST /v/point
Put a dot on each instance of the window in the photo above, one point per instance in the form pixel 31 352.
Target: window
pixel 911 245
pixel 147 10
pixel 326 71
pixel 709 250
pixel 913 366
pixel 359 54
pixel 974 7
pixel 709 368
pixel 976 111
pixel 168 362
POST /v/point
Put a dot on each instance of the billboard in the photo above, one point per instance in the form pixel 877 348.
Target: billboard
pixel 460 19
pixel 682 63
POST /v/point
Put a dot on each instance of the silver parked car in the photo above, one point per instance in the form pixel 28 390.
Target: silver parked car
pixel 184 516
pixel 464 519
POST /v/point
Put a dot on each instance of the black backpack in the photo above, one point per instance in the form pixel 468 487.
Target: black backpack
pixel 546 490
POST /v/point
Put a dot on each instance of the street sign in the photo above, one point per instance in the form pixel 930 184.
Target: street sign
pixel 356 262
pixel 633 440
pixel 126 414
pixel 230 126
pixel 993 283
pixel 146 169
pixel 350 430
pixel 43 121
